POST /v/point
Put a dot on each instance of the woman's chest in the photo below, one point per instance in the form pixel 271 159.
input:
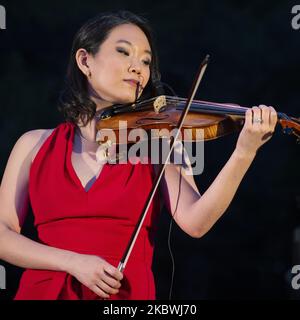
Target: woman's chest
pixel 86 167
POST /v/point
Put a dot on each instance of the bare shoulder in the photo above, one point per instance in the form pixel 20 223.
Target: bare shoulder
pixel 35 139
pixel 29 143
pixel 14 184
pixel 34 136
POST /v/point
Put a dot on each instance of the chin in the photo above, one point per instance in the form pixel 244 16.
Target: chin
pixel 124 100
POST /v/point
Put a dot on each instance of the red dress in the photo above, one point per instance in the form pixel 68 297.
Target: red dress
pixel 98 221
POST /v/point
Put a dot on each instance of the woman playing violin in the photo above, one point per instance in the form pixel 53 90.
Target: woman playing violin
pixel 85 211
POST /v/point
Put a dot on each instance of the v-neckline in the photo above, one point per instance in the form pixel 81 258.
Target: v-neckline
pixel 71 167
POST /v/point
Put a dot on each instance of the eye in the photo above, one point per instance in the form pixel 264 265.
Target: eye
pixel 123 51
pixel 147 62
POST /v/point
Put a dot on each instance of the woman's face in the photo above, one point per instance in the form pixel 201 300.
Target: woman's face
pixel 125 55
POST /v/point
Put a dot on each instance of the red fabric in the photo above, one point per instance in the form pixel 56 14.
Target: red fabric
pixel 98 221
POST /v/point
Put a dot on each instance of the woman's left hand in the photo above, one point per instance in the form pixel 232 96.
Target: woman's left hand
pixel 258 128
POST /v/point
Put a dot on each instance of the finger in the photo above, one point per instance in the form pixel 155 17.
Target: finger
pixel 273 118
pixel 265 115
pixel 106 288
pixel 248 118
pixel 100 292
pixel 113 272
pixel 112 282
pixel 256 112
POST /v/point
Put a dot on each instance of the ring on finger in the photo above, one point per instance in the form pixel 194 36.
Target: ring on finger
pixel 257 120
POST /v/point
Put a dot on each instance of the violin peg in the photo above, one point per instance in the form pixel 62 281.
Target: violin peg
pixel 287 130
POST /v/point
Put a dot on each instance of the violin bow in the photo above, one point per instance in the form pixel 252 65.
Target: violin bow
pixel 130 245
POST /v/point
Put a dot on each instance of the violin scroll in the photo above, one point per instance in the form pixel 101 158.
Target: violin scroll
pixel 290 125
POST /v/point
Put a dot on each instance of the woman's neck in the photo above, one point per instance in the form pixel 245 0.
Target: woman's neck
pixel 89 131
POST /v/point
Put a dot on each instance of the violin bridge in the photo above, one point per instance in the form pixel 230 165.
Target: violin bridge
pixel 159 103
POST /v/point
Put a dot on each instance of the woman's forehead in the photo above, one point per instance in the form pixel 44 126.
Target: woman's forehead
pixel 129 33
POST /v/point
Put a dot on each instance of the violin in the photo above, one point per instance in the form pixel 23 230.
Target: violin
pixel 163 112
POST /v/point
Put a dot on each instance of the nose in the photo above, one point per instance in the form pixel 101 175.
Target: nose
pixel 135 66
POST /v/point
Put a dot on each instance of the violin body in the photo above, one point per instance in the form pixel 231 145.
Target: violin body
pixel 158 117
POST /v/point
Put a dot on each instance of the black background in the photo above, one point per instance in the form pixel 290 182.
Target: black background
pixel 254 52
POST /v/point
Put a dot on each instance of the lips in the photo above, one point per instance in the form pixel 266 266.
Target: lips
pixel 132 82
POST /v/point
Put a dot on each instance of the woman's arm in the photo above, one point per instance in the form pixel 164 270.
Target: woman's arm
pixel 196 214
pixel 14 247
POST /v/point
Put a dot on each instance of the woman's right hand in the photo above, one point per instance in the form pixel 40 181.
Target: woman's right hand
pixel 96 274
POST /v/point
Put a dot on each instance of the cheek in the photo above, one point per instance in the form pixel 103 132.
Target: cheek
pixel 147 77
pixel 106 75
pixel 107 70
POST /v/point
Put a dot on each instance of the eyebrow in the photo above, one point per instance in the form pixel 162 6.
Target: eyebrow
pixel 126 41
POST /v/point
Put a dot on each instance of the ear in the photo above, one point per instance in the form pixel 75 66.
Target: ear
pixel 82 57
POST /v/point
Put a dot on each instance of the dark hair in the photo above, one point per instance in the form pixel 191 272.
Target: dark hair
pixel 74 101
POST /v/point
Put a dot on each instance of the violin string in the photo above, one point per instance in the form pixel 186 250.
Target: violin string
pixel 210 107
pixel 213 110
pixel 222 108
pixel 203 105
pixel 213 104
